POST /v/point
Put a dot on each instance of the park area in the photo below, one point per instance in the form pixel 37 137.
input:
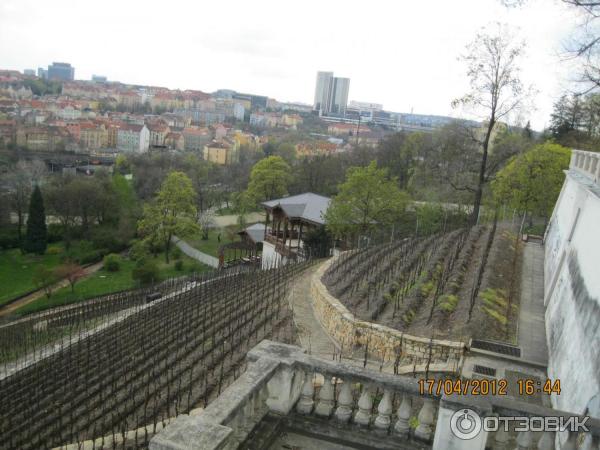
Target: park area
pixel 17 276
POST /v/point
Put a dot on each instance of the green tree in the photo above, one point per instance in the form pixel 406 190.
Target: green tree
pixel 366 200
pixel 269 179
pixel 531 182
pixel 36 236
pixel 173 212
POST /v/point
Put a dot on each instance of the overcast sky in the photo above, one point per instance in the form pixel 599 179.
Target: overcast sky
pixel 402 54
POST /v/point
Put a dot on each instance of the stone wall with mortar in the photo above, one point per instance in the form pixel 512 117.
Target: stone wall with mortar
pixel 385 344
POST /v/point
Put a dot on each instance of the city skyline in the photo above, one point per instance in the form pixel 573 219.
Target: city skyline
pixel 413 67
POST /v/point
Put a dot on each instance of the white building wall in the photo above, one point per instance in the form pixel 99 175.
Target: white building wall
pixel 144 139
pixel 270 258
pixel 572 295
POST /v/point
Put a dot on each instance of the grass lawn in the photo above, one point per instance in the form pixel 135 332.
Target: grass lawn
pixel 211 246
pixel 104 282
pixel 16 271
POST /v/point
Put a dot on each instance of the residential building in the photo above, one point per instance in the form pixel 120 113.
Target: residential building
pixel 158 133
pixel 93 136
pixel 29 72
pixel 133 138
pixel 42 73
pixel 291 121
pixel 175 141
pixel 331 94
pixel 347 129
pixel 69 112
pixel 32 137
pixel 42 138
pixel 7 131
pixel 323 92
pixel 196 138
pixel 61 71
pixel 310 149
pixel 339 96
pixel 223 151
pixel 112 131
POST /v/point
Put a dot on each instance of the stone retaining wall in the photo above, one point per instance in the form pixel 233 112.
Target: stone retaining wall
pixel 385 344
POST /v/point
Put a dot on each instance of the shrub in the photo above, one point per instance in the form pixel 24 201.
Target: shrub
pixel 179 265
pixel 55 233
pixel 94 256
pixel 9 238
pixel 103 237
pixel 176 253
pixel 54 251
pixel 448 303
pixel 145 273
pixel 138 251
pixel 112 262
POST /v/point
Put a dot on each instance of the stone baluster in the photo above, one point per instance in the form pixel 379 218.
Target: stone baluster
pixel 365 405
pixel 384 410
pixel 345 400
pixel 501 438
pixel 260 402
pixel 524 439
pixel 586 162
pixel 546 442
pixel 248 419
pixel 425 417
pixel 326 398
pixel 573 161
pixel 237 425
pixel 306 402
pixel 402 425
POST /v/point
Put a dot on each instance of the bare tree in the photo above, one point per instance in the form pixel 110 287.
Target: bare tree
pixel 206 220
pixel 496 90
pixel 585 45
pixel 20 182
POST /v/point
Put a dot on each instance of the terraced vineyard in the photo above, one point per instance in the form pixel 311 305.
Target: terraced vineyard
pixel 431 286
pixel 152 362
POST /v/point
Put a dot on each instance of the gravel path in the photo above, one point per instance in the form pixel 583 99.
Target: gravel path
pixel 312 335
pixel 12 307
pixel 195 253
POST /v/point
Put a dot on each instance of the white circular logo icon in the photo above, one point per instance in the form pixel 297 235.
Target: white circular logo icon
pixel 465 424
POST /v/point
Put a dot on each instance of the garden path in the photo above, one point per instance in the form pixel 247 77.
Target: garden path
pixel 195 253
pixel 13 306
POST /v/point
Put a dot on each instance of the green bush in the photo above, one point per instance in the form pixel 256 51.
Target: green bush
pixel 54 251
pixel 112 262
pixel 54 233
pixel 179 265
pixel 138 251
pixel 103 237
pixel 9 238
pixel 448 303
pixel 145 273
pixel 176 253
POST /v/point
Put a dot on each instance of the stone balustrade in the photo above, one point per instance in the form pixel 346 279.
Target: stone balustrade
pixel 379 409
pixel 587 163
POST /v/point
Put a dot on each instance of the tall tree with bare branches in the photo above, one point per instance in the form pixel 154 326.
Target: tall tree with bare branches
pixel 496 90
